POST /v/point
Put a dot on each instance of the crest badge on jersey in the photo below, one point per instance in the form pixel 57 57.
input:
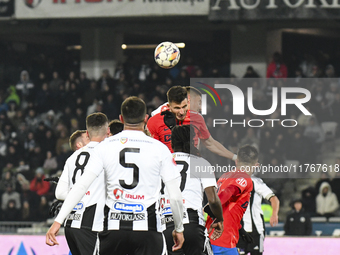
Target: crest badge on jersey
pixel 123 140
pixel 241 181
pixel 118 193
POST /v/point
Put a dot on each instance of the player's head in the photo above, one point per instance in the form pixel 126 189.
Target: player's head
pixel 78 139
pixel 182 139
pixel 97 126
pixel 178 101
pixel 247 158
pixel 115 126
pixel 194 99
pixel 133 113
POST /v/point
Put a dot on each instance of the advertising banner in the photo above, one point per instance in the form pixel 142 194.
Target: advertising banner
pixel 273 9
pixel 31 9
pixel 31 245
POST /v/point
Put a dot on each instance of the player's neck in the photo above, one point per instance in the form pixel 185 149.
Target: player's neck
pixel 134 127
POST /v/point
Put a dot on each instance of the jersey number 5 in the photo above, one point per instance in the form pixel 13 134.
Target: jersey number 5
pixel 129 165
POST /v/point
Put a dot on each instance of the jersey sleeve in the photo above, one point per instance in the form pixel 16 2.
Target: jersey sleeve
pixel 262 189
pixel 152 127
pixel 168 171
pixel 202 127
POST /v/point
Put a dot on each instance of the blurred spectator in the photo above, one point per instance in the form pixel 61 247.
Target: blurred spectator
pixel 13 96
pixel 71 79
pixel 91 93
pixel 106 82
pixel 329 71
pixel 10 194
pixel 49 142
pixel 277 69
pixel 326 201
pixel 110 107
pixel 61 141
pixel 43 210
pixel 308 200
pixel 38 185
pixel 26 212
pixel 3 105
pixel 44 99
pixel 11 212
pixel 25 88
pixel 36 158
pixel 50 163
pixel 84 83
pixel 298 222
pixel 32 120
pixel 323 178
pixel 56 82
pixel 250 73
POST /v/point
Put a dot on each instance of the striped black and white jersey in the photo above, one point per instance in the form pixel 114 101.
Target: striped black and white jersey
pixel 253 217
pixel 89 212
pixel 134 165
pixel 195 177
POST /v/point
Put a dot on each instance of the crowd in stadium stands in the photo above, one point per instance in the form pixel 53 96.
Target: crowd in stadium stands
pixel 37 116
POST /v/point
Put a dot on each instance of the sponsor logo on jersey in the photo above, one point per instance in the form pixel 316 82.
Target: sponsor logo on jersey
pixel 74 216
pixel 78 207
pixel 242 182
pixel 166 210
pixel 167 219
pixel 88 193
pixel 128 207
pixel 119 193
pixel 127 216
pixel 123 140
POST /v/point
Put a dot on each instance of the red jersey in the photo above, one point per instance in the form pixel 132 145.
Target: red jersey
pixel 162 133
pixel 234 208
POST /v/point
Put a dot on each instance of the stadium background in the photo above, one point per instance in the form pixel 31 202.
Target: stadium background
pixel 71 51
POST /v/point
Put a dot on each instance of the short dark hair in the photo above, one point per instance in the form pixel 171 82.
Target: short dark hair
pixel 182 139
pixel 95 121
pixel 247 154
pixel 133 110
pixel 73 138
pixel 115 126
pixel 193 91
pixel 177 94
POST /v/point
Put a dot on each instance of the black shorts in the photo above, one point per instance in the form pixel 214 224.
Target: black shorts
pixel 122 242
pixel 257 245
pixel 81 241
pixel 196 241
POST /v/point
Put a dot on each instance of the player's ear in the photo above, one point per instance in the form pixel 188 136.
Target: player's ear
pixel 146 118
pixel 257 164
pixel 79 145
pixel 121 118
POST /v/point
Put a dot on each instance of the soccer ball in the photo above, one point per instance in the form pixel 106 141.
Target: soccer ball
pixel 167 55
